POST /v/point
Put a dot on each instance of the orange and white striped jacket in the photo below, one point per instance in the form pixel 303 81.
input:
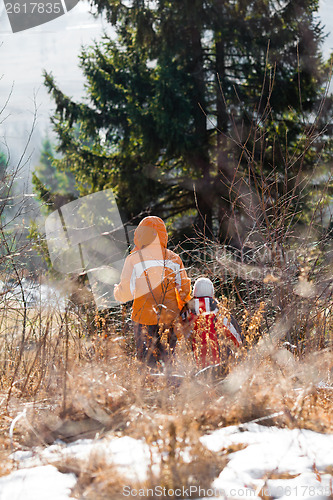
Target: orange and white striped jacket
pixel 153 276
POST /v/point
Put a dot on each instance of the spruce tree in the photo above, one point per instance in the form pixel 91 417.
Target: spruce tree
pixel 189 96
pixel 53 187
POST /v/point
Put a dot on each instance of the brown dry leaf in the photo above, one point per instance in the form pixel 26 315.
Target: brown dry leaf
pixel 234 447
pixel 283 475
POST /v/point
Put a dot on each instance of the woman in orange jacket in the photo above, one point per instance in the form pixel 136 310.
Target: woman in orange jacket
pixel 155 278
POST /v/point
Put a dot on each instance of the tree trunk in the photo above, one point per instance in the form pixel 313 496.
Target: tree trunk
pixel 201 161
pixel 225 171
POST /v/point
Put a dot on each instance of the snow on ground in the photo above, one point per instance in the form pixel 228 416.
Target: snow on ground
pixel 282 463
pixel 132 457
pixel 38 483
pixel 34 295
pixel 300 456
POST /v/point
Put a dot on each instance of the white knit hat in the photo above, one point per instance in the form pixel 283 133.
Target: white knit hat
pixel 203 287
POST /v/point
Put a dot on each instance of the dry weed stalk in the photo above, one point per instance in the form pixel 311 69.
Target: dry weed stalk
pixel 82 380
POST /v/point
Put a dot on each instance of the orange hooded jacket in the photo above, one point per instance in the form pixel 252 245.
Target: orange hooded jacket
pixel 153 276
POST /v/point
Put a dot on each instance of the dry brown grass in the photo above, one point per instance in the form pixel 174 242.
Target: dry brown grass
pixel 73 386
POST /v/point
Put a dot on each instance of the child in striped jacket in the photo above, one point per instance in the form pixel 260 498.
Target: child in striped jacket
pixel 200 313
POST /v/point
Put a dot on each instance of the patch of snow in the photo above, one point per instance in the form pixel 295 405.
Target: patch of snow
pixel 282 463
pixel 37 483
pixel 269 450
pixel 132 457
pixel 35 294
pixel 303 486
pixel 324 385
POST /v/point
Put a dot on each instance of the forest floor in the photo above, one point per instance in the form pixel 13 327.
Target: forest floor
pixel 82 418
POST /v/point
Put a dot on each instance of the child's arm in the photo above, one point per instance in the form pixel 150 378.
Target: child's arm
pixel 123 291
pixel 184 288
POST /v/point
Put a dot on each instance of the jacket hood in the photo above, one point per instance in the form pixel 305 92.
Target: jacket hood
pixel 203 287
pixel 147 230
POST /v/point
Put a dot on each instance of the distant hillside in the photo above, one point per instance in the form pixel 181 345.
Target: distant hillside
pixel 55 47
